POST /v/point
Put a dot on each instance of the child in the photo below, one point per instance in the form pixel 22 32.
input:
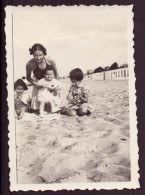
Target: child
pixel 22 100
pixel 49 92
pixel 78 96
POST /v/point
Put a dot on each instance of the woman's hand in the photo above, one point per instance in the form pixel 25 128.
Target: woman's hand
pixel 37 84
pixel 51 89
pixel 56 92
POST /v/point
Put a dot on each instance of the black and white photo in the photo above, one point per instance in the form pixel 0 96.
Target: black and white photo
pixel 71 98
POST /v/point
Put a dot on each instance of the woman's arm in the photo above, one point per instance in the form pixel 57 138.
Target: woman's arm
pixel 30 66
pixel 55 68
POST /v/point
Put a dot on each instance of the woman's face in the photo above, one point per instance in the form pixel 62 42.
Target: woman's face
pixel 38 56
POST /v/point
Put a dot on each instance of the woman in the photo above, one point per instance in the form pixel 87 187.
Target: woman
pixel 35 70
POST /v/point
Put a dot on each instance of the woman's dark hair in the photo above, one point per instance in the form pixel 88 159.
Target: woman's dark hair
pixel 76 74
pixel 37 47
pixel 20 82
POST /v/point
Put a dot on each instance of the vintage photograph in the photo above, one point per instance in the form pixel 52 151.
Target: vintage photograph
pixel 71 98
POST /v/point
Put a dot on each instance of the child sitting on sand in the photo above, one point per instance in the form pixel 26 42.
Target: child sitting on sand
pixel 78 96
pixel 49 92
pixel 22 100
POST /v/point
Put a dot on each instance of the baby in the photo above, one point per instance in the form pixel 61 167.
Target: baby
pixel 22 100
pixel 49 92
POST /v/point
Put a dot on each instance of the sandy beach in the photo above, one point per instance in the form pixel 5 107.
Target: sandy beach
pixel 87 149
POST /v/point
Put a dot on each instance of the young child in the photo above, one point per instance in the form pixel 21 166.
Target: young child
pixel 78 96
pixel 22 100
pixel 49 92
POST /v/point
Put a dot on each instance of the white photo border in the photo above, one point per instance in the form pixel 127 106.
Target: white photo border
pixel 14 186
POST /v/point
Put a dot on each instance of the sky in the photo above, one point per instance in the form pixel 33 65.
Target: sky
pixel 83 37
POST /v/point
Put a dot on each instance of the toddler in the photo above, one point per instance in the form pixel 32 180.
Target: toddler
pixel 49 92
pixel 78 96
pixel 22 100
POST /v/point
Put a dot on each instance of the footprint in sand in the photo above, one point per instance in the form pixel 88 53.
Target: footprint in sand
pixel 125 127
pixel 30 144
pixel 125 133
pixel 118 122
pixel 124 172
pixel 37 167
pixel 93 163
pixel 123 162
pixel 31 137
pixel 94 175
pixel 107 147
pixel 109 119
pixel 125 130
pixel 105 133
pixel 112 149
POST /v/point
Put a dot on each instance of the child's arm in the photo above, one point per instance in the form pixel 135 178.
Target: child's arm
pixel 57 92
pixel 70 96
pixel 70 99
pixel 84 98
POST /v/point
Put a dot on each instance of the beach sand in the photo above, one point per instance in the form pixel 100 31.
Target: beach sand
pixel 91 148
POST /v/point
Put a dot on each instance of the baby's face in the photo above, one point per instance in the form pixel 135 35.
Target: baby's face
pixel 19 90
pixel 49 75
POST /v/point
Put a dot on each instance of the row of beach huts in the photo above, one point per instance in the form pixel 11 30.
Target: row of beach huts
pixel 117 74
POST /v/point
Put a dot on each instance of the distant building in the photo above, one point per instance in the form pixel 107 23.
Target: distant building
pixel 117 74
pixel 90 71
pixel 107 68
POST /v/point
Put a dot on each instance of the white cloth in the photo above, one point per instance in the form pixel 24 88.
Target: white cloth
pixel 45 95
pixel 25 99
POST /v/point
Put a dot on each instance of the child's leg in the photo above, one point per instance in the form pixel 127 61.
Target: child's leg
pixel 70 113
pixel 53 106
pixel 22 111
pixel 42 105
pixel 17 113
pixel 82 111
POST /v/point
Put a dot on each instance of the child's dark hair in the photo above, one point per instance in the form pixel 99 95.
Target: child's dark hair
pixel 37 47
pixel 76 74
pixel 20 82
pixel 50 68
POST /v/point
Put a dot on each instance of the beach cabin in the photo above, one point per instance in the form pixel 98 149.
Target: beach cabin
pixel 98 76
pixel 118 74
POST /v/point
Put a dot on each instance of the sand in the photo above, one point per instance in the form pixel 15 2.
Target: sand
pixel 91 148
